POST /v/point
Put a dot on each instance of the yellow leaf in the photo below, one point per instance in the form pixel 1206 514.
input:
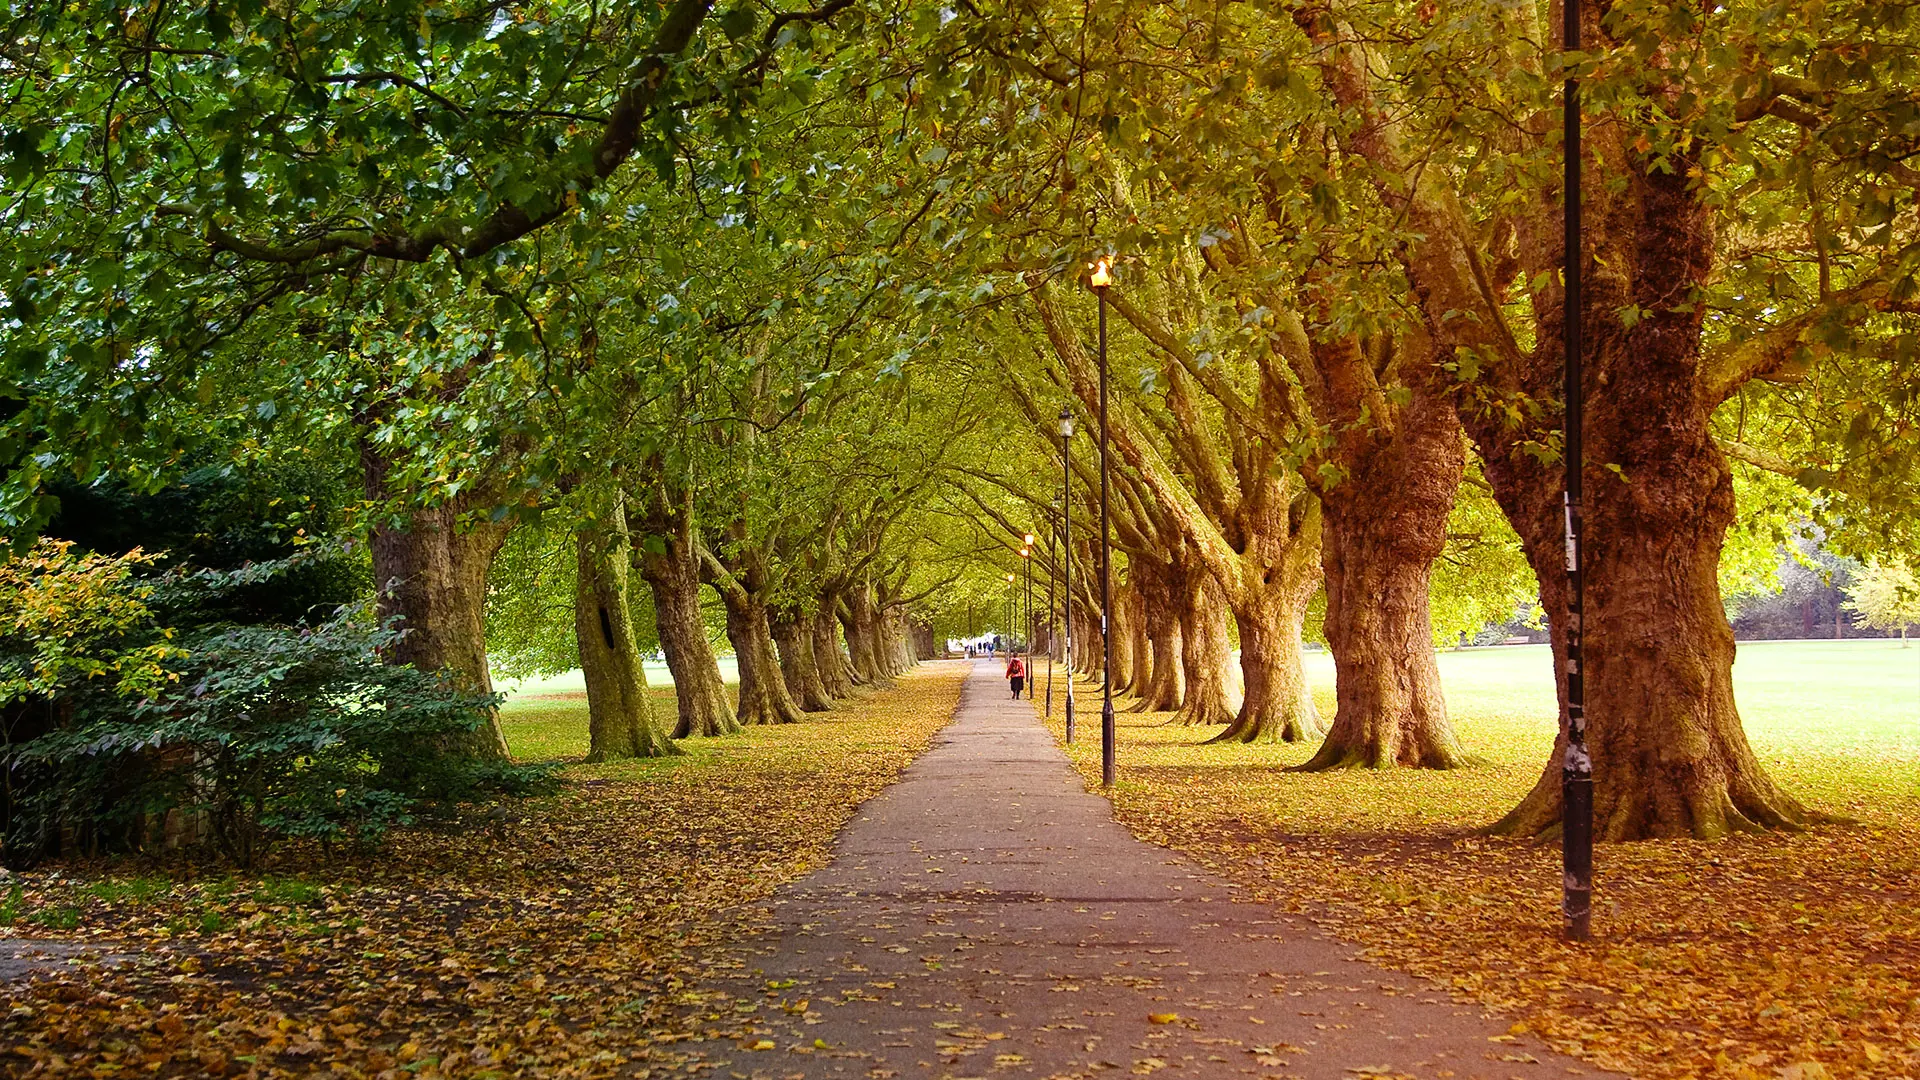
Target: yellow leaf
pixel 761 1044
pixel 1163 1018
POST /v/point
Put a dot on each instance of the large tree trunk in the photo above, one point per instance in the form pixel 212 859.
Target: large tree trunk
pixel 1206 653
pixel 794 634
pixel 763 689
pixel 1669 755
pixel 431 576
pixel 828 657
pixel 861 621
pixel 1165 688
pixel 673 573
pixel 1278 704
pixel 620 721
pixel 1383 527
pixel 1123 635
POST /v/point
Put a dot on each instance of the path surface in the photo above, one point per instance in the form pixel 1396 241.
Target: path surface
pixel 987 917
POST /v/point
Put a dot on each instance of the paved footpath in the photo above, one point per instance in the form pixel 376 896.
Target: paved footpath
pixel 986 917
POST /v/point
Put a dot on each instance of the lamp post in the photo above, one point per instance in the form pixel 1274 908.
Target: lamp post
pixel 1066 557
pixel 1576 778
pixel 1010 602
pixel 1100 279
pixel 1026 621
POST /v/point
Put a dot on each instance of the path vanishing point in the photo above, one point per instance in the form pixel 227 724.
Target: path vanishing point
pixel 987 917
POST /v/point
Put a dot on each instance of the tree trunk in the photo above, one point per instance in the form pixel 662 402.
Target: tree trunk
pixel 1278 704
pixel 1165 688
pixel 1139 646
pixel 1668 753
pixel 862 624
pixel 1383 527
pixel 828 657
pixel 673 573
pixel 794 634
pixel 620 721
pixel 763 688
pixel 1206 654
pixel 431 576
pixel 1123 635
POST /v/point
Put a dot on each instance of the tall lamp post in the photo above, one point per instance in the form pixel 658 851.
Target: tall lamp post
pixel 1026 622
pixel 1010 616
pixel 1066 555
pixel 1100 279
pixel 1576 780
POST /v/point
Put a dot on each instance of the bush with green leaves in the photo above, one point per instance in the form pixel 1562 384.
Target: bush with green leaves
pixel 270 732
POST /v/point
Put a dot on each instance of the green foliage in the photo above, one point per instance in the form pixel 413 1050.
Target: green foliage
pixel 271 732
pixel 68 620
pixel 1886 597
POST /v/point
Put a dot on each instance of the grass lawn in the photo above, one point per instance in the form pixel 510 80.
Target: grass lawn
pixel 1755 957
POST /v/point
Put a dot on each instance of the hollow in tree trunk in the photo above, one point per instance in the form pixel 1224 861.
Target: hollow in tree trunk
pixel 620 722
pixel 1383 527
pixel 793 633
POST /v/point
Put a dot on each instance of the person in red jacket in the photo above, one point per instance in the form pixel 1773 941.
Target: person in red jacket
pixel 1016 673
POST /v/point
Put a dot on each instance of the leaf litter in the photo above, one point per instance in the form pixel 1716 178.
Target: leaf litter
pixel 1787 956
pixel 559 939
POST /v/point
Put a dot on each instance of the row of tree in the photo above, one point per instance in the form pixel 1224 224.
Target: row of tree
pixel 781 303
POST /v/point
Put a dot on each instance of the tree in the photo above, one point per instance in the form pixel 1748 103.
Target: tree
pixel 1886 597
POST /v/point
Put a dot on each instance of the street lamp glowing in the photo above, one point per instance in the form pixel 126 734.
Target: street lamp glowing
pixel 1102 275
pixel 1066 422
pixel 1028 541
pixel 1025 552
pixel 1009 579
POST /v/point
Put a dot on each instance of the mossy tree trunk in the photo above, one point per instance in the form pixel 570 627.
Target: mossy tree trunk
pixel 620 721
pixel 670 563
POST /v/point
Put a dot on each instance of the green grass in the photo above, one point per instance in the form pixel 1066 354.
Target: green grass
pixel 1838 723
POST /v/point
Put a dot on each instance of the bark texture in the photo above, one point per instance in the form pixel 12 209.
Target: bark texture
pixel 620 721
pixel 1384 525
pixel 1206 656
pixel 793 633
pixel 671 566
pixel 431 575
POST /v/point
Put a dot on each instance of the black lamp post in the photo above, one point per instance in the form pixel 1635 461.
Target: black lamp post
pixel 1026 621
pixel 1576 780
pixel 1010 616
pixel 1066 556
pixel 1100 279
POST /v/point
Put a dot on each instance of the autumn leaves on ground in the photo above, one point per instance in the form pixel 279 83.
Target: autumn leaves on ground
pixel 551 937
pixel 1791 956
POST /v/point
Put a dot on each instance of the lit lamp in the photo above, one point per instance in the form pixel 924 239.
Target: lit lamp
pixel 1066 564
pixel 1101 279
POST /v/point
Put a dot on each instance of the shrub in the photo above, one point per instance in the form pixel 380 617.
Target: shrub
pixel 269 732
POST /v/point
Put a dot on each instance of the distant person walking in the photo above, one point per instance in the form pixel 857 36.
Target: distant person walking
pixel 1017 675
